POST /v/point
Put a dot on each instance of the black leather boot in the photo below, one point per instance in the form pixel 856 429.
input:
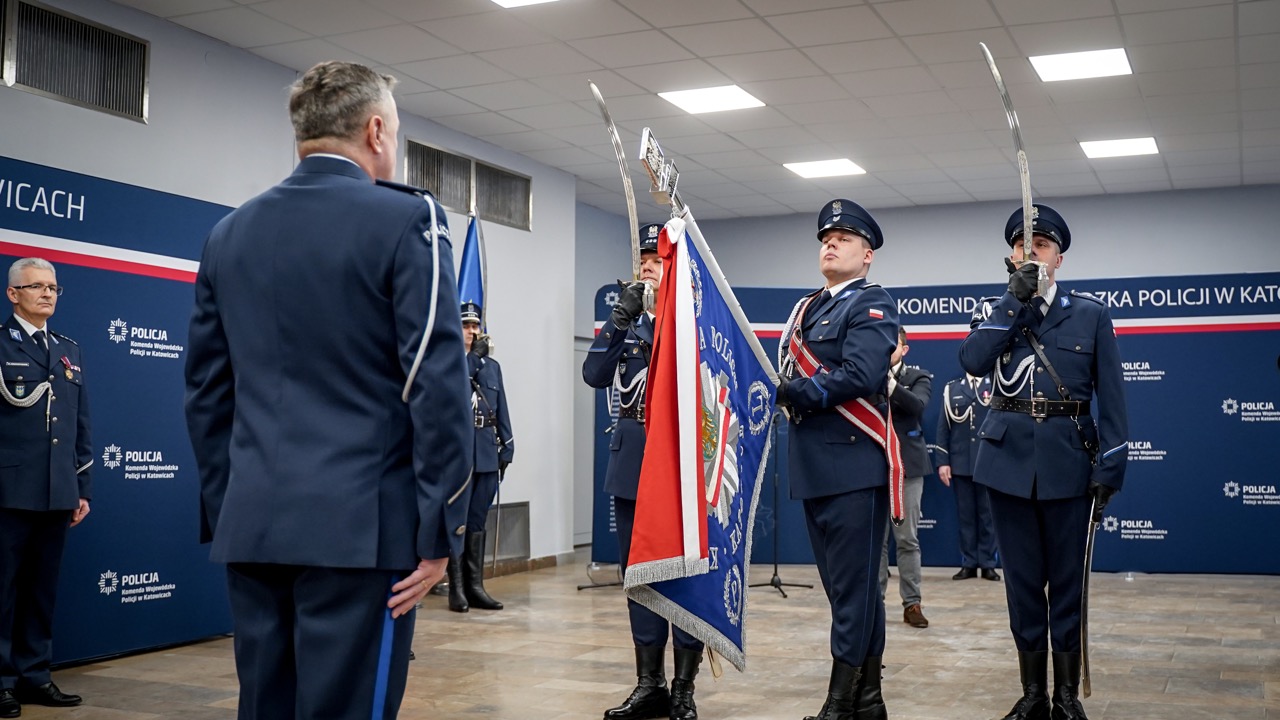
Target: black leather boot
pixel 870 705
pixel 1033 667
pixel 457 598
pixel 473 574
pixel 650 699
pixel 842 693
pixel 682 706
pixel 1066 683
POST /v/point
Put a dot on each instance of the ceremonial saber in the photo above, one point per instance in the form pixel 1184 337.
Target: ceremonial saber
pixel 1095 519
pixel 618 150
pixel 1024 171
pixel 497 521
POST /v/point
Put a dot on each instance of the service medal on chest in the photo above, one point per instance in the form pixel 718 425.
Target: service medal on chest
pixel 69 375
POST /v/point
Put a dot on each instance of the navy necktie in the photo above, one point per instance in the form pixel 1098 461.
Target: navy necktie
pixel 39 337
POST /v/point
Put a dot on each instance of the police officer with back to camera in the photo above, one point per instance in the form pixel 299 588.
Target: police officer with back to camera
pixel 1042 455
pixel 494 449
pixel 619 359
pixel 45 454
pixel 965 401
pixel 835 354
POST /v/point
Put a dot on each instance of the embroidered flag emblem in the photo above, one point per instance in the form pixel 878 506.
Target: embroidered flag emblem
pixel 877 314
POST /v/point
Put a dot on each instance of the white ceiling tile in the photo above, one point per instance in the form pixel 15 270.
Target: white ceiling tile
pixel 1002 187
pixel 1183 55
pixel 1263 75
pixel 1028 12
pixel 1150 163
pixel 1199 141
pixel 778 7
pixel 1259 17
pixel 1184 124
pixel 921 191
pixel 916 103
pixel 796 90
pixel 1260 138
pixel 1197 104
pixel 303 54
pixel 639 48
pixel 486 31
pixel 860 148
pixel 767 175
pixel 1143 186
pixel 326 17
pixel 1074 114
pixel 929 124
pixel 1039 152
pixel 951 159
pixel 413 11
pixel 775 65
pixel 634 107
pixel 1217 21
pixel 680 126
pixel 679 75
pixel 1261 120
pixel 748 119
pixel 1141 6
pixel 1066 92
pixel 908 161
pixel 699 145
pixel 954 141
pixel 551 116
pixel 987 196
pixel 405 85
pixel 506 95
pixel 525 141
pixel 858 56
pixel 906 177
pixel 1079 164
pixel 728 38
pixel 949 47
pixel 1111 177
pixel 579 19
pixel 241 27
pixel 1260 48
pixel 976 172
pixel 672 13
pixel 1054 183
pixel 535 60
pixel 831 27
pixel 435 104
pixel 1202 157
pixel 891 81
pixel 730 160
pixel 395 44
pixel 1068 36
pixel 797 151
pixel 920 17
pixel 1185 82
pixel 574 85
pixel 1192 172
pixel 826 111
pixel 563 157
pixel 454 71
pixel 172 8
pixel 1201 183
pixel 481 124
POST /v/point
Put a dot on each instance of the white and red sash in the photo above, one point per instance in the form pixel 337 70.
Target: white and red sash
pixel 861 414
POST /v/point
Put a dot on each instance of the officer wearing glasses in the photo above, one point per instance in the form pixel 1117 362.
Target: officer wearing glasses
pixel 45 454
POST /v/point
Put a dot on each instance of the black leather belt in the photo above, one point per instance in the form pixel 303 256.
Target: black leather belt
pixel 1041 407
pixel 484 422
pixel 633 413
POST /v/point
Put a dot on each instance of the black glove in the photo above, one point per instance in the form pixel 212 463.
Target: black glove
pixel 629 306
pixel 502 468
pixel 1023 279
pixel 1101 496
pixel 783 400
pixel 481 346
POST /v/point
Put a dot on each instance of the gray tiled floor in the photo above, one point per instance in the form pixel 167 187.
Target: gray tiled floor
pixel 1166 647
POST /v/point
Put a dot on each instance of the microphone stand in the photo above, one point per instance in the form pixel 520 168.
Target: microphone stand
pixel 775 582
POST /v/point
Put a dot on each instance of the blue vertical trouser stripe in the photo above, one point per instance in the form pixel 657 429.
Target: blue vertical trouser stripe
pixel 384 660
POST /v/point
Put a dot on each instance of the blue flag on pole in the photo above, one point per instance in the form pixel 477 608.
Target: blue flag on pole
pixel 470 277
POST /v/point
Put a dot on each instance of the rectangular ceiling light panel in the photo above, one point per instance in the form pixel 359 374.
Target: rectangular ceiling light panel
pixel 1119 148
pixel 712 99
pixel 825 168
pixel 1081 65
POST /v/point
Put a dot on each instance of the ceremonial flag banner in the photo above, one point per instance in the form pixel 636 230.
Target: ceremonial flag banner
pixel 709 407
pixel 470 280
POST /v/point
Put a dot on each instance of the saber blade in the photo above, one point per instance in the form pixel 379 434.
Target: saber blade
pixel 1024 170
pixel 626 180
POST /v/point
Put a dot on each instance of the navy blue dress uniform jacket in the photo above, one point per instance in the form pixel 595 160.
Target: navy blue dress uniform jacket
pixel 299 351
pixel 956 444
pixel 908 401
pixel 622 355
pixel 44 461
pixel 495 446
pixel 852 335
pixel 1018 452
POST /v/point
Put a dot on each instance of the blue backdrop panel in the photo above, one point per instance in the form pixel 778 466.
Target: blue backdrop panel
pixel 1202 371
pixel 134 575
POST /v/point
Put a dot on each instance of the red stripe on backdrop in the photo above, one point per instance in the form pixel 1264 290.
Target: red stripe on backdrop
pixel 93 261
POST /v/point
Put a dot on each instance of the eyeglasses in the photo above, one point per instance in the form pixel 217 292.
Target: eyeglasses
pixel 39 288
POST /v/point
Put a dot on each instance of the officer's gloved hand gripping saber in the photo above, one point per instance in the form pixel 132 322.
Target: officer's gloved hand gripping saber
pixel 649 298
pixel 1024 173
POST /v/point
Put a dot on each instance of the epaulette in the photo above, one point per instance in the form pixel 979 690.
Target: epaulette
pixel 60 336
pixel 1087 296
pixel 405 188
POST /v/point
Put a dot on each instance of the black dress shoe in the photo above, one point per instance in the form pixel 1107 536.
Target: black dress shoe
pixel 47 694
pixel 965 574
pixel 9 707
pixel 990 574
